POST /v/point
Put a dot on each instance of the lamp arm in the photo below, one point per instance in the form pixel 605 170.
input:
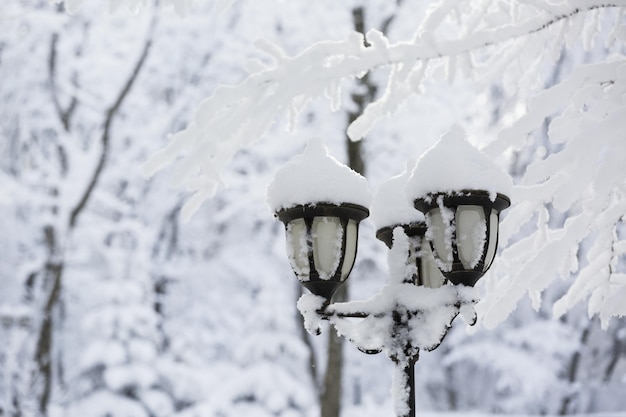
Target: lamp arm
pixel 350 309
pixel 393 318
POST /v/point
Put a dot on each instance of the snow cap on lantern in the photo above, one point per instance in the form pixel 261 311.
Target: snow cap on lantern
pixel 453 164
pixel 314 176
pixel 461 192
pixel 321 203
pixel 391 208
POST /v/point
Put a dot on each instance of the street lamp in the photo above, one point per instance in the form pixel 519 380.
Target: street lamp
pixel 436 254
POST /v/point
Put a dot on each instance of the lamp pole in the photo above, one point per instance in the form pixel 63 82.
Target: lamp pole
pixel 442 238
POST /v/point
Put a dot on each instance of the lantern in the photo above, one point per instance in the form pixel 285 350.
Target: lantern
pixel 463 232
pixel 321 202
pixel 322 243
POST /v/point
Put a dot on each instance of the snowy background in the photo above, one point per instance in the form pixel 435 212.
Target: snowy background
pixel 112 305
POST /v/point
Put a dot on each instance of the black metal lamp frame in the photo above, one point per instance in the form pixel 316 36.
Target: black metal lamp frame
pixel 458 273
pixel 415 232
pixel 344 212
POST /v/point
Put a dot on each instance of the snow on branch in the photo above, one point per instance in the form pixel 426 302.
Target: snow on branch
pixel 585 182
pixel 236 116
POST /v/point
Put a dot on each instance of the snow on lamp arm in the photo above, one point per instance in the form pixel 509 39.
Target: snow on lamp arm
pixel 462 199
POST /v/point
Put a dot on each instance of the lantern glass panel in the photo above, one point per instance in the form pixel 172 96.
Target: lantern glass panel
pixel 441 238
pixel 429 273
pixel 351 243
pixel 493 238
pixel 298 248
pixel 471 231
pixel 327 242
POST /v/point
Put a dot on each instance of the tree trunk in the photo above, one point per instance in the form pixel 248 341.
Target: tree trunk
pixel 332 389
pixel 572 374
pixel 51 272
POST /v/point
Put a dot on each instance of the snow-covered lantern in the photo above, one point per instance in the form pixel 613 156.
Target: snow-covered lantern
pixel 321 203
pixel 390 209
pixel 461 192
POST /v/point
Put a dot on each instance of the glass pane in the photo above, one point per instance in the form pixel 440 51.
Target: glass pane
pixel 351 245
pixel 493 238
pixel 415 251
pixel 471 231
pixel 327 241
pixel 298 249
pixel 431 275
pixel 440 231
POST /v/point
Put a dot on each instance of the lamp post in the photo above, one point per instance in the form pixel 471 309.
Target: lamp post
pixel 442 236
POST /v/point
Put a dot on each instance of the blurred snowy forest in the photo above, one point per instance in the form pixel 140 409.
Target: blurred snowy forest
pixel 112 305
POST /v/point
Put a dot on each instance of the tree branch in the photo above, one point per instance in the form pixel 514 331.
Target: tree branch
pixel 320 68
pixel 110 116
pixel 64 115
pixel 52 272
pixel 54 265
pixel 573 369
pixel 386 24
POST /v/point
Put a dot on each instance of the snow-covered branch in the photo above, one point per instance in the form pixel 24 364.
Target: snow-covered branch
pixel 585 182
pixel 236 116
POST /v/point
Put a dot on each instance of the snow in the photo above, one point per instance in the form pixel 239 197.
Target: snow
pixel 390 206
pixel 316 177
pixel 399 320
pixel 106 352
pixel 309 305
pixel 584 180
pixel 130 375
pixel 298 249
pixel 433 311
pixel 428 311
pixel 104 404
pixel 400 268
pixel 453 164
pixel 400 391
pixel 567 221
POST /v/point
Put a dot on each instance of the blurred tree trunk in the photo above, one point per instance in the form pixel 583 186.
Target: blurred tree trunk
pixel 364 93
pixel 45 286
pixel 163 251
pixel 572 373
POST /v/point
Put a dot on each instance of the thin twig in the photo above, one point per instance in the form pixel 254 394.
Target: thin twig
pixel 110 116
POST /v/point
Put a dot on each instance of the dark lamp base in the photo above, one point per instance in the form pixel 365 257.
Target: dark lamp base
pixel 323 288
pixel 464 277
